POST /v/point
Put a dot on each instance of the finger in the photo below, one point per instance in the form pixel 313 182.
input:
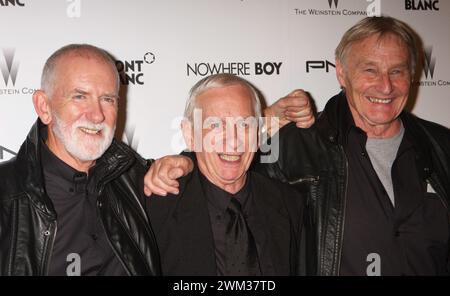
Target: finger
pixel 299 114
pixel 160 188
pixel 296 92
pixel 294 102
pixel 147 191
pixel 303 120
pixel 159 192
pixel 305 124
pixel 174 174
pixel 164 177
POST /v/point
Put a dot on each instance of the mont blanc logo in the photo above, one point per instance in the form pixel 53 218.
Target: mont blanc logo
pixel 12 3
pixel 6 153
pixel 430 71
pixel 9 66
pixel 366 8
pixel 421 4
pixel 132 71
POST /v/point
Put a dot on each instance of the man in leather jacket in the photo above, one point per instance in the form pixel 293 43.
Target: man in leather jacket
pixel 71 200
pixel 377 177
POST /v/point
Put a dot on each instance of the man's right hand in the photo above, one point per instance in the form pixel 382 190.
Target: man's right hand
pixel 162 176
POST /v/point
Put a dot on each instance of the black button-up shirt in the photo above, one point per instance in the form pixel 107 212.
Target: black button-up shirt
pixel 81 243
pixel 411 238
pixel 218 201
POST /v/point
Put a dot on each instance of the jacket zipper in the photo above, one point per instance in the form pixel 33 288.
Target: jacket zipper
pixel 310 179
pixel 440 194
pixel 48 249
pixel 344 208
pixel 99 206
pixel 14 228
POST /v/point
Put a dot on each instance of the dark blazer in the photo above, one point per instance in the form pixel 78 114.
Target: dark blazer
pixel 183 230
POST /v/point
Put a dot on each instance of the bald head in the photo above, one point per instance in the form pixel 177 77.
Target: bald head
pixel 49 73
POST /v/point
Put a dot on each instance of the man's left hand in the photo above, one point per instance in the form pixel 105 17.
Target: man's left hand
pixel 295 107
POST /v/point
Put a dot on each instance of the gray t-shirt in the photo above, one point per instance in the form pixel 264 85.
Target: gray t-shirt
pixel 382 153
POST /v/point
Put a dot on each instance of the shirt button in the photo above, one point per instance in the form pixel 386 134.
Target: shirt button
pixel 397 233
pixel 94 236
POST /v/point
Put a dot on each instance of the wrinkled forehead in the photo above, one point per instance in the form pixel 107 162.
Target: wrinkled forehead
pixel 375 42
pixel 90 61
pixel 228 101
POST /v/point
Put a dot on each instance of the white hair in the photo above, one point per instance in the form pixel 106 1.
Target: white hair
pixel 48 72
pixel 219 80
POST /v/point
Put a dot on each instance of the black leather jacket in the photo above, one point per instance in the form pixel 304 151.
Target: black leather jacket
pixel 28 220
pixel 313 160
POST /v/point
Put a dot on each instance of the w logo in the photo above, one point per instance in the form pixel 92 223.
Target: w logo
pixel 8 67
pixel 330 2
pixel 429 62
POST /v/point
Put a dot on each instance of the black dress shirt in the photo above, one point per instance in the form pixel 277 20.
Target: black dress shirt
pixel 218 201
pixel 411 238
pixel 79 231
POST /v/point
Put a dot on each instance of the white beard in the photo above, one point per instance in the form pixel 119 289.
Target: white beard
pixel 83 146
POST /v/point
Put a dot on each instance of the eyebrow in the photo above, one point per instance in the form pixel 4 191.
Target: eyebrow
pixel 83 92
pixel 80 91
pixel 370 63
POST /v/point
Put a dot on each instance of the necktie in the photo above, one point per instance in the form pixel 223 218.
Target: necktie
pixel 241 252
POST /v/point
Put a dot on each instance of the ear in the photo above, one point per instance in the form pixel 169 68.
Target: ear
pixel 188 133
pixel 340 73
pixel 42 107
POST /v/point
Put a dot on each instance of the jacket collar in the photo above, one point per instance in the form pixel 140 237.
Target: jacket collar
pixel 336 120
pixel 113 162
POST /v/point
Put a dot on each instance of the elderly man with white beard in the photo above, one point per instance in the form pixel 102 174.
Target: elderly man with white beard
pixel 71 201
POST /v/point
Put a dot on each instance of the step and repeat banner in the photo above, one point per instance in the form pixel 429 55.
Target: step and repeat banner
pixel 163 47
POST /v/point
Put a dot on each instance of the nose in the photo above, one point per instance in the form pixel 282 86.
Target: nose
pixel 95 113
pixel 385 84
pixel 235 139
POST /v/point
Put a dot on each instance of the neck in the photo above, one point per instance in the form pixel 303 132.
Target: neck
pixel 235 187
pixel 232 188
pixel 57 148
pixel 378 131
pixel 383 131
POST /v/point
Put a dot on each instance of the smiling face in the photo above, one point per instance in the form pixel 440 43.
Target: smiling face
pixel 228 139
pixel 82 109
pixel 376 77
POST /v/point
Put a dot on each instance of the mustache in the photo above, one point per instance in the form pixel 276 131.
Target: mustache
pixel 90 125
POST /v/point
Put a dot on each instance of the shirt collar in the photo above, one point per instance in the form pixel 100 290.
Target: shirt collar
pixel 75 180
pixel 220 198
